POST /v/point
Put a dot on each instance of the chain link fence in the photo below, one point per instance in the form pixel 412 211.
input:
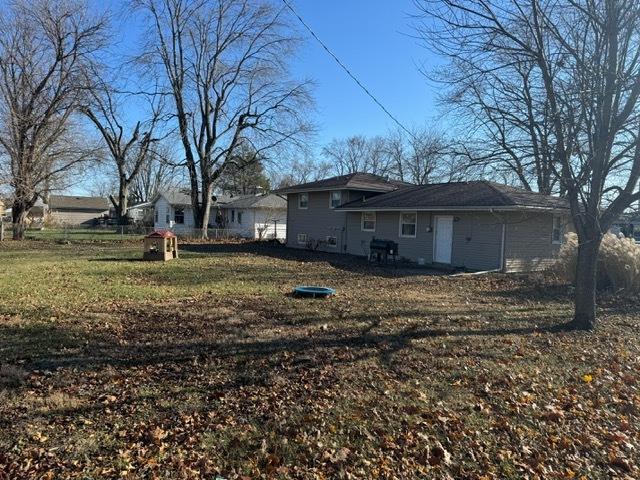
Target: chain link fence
pixel 112 233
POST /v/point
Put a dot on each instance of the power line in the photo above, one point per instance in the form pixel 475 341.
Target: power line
pixel 346 69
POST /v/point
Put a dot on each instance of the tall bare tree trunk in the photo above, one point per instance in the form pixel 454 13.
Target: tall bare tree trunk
pixel 123 200
pixel 586 283
pixel 19 213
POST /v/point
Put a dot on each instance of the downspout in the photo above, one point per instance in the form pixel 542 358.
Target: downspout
pixel 503 240
pixel 344 236
pixel 286 229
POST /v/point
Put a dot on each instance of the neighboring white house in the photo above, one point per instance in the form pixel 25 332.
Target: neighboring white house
pixel 172 211
pixel 256 216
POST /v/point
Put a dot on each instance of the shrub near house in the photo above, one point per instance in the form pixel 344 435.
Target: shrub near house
pixel 618 262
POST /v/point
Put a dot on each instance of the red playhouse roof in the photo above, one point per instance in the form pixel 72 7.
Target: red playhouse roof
pixel 161 234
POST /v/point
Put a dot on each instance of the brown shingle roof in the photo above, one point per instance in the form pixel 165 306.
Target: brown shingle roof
pixel 352 181
pixel 459 195
pixel 67 202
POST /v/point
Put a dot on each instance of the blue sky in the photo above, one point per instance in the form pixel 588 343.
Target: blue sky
pixel 372 37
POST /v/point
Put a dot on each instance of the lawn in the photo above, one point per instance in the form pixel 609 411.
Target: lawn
pixel 206 367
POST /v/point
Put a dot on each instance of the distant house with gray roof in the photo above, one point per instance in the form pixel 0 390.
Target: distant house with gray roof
pixel 477 225
pixel 76 210
pixel 256 216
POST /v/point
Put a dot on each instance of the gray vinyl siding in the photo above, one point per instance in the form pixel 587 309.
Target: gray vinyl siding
pixel 317 221
pixel 388 228
pixel 477 241
pixel 476 238
pixel 528 244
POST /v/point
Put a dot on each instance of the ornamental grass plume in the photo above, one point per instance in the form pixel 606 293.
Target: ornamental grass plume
pixel 618 263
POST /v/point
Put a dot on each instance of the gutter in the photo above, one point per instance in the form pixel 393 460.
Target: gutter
pixel 514 208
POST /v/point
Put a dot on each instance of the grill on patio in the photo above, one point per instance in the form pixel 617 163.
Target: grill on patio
pixel 381 250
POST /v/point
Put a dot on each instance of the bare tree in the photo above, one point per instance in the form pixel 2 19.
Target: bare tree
pixel 359 154
pixel 156 174
pixel 586 56
pixel 420 157
pixel 44 47
pixel 225 65
pixel 505 116
pixel 301 171
pixel 129 146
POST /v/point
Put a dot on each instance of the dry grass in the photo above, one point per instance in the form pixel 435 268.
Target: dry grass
pixel 206 366
pixel 12 376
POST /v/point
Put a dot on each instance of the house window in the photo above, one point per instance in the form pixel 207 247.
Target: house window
pixel 178 215
pixel 167 218
pixel 302 238
pixel 239 217
pixel 332 241
pixel 557 232
pixel 156 215
pixel 335 199
pixel 303 200
pixel 233 216
pixel 408 223
pixel 368 221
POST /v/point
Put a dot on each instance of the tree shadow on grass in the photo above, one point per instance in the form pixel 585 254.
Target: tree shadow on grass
pixel 118 259
pixel 49 347
pixel 346 262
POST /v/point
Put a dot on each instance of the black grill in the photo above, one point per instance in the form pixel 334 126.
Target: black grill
pixel 382 250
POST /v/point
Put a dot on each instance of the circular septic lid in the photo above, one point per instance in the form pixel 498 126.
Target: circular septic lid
pixel 312 291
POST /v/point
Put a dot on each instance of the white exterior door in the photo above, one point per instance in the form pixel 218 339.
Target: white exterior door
pixel 443 240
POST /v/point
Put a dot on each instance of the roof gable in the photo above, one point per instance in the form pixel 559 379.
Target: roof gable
pixel 352 181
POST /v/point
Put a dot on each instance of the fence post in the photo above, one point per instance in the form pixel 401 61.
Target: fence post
pixel 1 231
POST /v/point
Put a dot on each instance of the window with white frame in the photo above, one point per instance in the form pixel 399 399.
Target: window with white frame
pixel 178 215
pixel 368 221
pixel 332 241
pixel 303 200
pixel 233 216
pixel 557 232
pixel 408 224
pixel 302 238
pixel 335 199
pixel 239 217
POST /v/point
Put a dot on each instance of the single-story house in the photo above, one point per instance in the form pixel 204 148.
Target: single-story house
pixel 172 210
pixel 256 216
pixel 71 210
pixel 477 225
